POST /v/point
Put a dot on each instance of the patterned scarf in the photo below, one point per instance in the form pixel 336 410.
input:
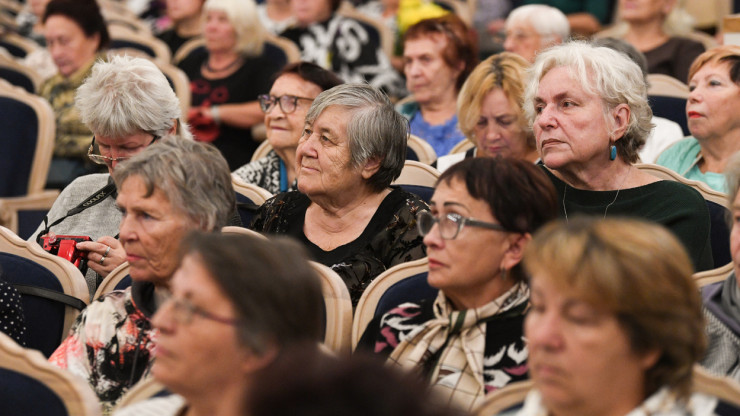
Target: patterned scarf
pixel 449 349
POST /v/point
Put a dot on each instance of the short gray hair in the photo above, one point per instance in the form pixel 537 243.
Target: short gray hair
pixel 127 95
pixel 250 34
pixel 194 177
pixel 374 130
pixel 551 24
pixel 607 73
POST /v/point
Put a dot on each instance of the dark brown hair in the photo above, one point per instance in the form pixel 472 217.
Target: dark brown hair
pixel 85 13
pixel 519 194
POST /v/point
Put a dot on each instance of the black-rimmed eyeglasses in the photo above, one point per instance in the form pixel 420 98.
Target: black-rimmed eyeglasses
pixel 288 103
pixel 184 310
pixel 451 224
pixel 105 160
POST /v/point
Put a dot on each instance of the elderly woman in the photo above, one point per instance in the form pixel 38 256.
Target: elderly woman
pixel 590 116
pixel 221 325
pixel 345 211
pixel 173 187
pixel 438 55
pixel 346 46
pixel 479 204
pixel 535 27
pixel 490 112
pixel 615 325
pixel 128 104
pixel 655 28
pixel 711 113
pixel 285 108
pixel 185 16
pixel 226 80
pixel 75 34
pixel 722 299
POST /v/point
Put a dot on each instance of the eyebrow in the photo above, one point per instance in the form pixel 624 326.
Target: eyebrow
pixel 449 204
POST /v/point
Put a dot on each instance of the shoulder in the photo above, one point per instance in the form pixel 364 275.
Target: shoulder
pixel 446 161
pixel 685 44
pixel 672 191
pixel 681 153
pixel 260 166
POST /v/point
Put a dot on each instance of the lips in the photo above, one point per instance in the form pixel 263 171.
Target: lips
pixel 694 114
pixel 550 142
pixel 435 264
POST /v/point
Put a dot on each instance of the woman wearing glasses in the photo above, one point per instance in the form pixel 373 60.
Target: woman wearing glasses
pixel 226 80
pixel 285 110
pixel 482 217
pixel 345 211
pixel 127 103
pixel 173 187
pixel 221 326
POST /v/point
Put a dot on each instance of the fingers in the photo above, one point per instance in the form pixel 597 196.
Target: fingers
pixel 103 255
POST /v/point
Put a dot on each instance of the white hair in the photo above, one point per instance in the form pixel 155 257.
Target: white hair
pixel 125 96
pixel 606 73
pixel 549 22
pixel 250 34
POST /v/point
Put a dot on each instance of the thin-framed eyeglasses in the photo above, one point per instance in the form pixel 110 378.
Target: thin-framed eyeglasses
pixel 184 311
pixel 451 224
pixel 288 103
pixel 105 160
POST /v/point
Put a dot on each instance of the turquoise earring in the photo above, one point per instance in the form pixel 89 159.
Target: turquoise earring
pixel 612 152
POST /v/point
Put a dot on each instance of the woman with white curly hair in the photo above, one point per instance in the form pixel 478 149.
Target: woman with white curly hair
pixel 590 116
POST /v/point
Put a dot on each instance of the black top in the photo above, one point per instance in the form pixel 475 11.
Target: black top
pixel 391 236
pixel 12 320
pixel 173 40
pixel 676 206
pixel 253 78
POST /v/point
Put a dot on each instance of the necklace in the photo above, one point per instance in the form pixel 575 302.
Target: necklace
pixel 565 191
pixel 208 66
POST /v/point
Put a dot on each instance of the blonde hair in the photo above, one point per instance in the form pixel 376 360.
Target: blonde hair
pixel 639 272
pixel 504 71
pixel 250 34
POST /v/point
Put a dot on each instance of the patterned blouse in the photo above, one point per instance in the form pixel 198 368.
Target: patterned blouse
pixel 12 320
pixel 265 173
pixel 110 344
pixel 390 238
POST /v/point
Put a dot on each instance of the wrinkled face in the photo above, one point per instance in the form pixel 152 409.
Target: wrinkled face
pixel 428 76
pixel 151 230
pixel 126 147
pixel 284 130
pixel 307 12
pixel 713 101
pixel 323 159
pixel 735 234
pixel 523 40
pixel 580 358
pixel 466 266
pixel 68 45
pixel 569 124
pixel 644 10
pixel 185 343
pixel 499 131
pixel 219 32
pixel 183 9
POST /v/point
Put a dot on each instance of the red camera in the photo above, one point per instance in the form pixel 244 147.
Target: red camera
pixel 65 246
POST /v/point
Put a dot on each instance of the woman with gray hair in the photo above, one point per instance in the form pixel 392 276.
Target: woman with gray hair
pixel 171 188
pixel 221 326
pixel 590 116
pixel 722 299
pixel 346 212
pixel 128 104
pixel 226 80
pixel 535 27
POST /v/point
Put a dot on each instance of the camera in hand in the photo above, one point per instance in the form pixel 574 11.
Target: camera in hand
pixel 65 246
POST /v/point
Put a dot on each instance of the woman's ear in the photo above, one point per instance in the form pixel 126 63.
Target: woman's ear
pixel 175 125
pixel 514 254
pixel 371 167
pixel 621 119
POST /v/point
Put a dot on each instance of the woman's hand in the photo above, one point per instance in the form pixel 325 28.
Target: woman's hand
pixel 103 255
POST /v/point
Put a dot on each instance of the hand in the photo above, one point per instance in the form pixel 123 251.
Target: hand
pixel 106 246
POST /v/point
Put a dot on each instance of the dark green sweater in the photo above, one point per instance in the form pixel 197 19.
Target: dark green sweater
pixel 674 205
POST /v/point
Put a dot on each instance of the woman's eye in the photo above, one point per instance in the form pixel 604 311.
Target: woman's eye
pixel 307 132
pixel 568 104
pixel 482 122
pixel 715 83
pixel 538 108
